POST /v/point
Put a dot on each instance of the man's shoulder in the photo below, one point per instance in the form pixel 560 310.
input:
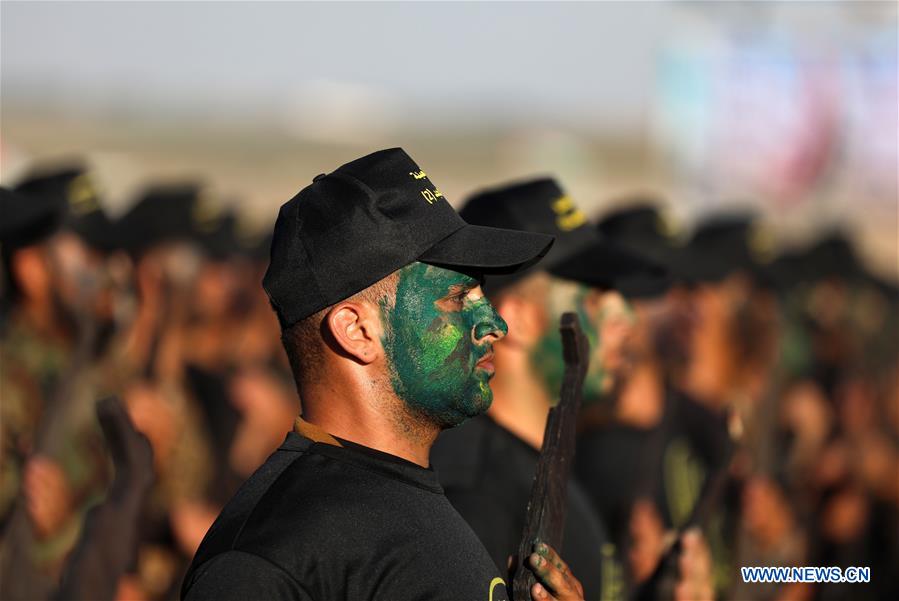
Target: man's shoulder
pixel 230 523
pixel 311 497
pixel 287 491
pixel 271 518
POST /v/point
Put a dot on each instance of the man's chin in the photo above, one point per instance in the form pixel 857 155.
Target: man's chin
pixel 477 405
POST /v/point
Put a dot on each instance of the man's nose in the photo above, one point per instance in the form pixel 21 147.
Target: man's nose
pixel 489 327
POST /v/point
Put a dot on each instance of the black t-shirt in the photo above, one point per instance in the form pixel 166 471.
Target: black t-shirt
pixel 691 444
pixel 611 465
pixel 323 522
pixel 488 472
pixel 668 463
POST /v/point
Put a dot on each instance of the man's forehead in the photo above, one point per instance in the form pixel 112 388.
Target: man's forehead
pixel 446 276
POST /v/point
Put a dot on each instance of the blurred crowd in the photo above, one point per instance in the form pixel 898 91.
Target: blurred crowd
pixel 161 307
pixel 754 397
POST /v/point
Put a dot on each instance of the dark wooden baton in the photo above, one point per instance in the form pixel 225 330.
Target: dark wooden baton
pixel 546 507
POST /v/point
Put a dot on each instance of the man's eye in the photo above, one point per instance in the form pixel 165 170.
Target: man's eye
pixel 453 302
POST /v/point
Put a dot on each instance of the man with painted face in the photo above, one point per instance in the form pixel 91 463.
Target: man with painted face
pixel 617 431
pixel 376 283
pixel 487 465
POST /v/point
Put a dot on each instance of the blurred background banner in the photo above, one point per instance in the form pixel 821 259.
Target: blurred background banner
pixel 785 106
pixel 782 105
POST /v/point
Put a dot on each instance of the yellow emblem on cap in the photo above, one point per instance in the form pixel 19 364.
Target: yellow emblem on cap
pixel 82 195
pixel 762 243
pixel 206 213
pixel 667 224
pixel 568 216
pixel 430 195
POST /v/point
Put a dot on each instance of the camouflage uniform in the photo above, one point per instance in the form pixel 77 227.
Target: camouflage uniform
pixel 33 370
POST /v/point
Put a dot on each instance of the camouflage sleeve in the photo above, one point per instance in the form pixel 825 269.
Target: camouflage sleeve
pixel 18 420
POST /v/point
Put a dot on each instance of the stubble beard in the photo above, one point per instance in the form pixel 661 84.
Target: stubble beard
pixel 412 423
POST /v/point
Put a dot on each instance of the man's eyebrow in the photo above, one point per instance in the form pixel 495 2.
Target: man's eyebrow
pixel 463 285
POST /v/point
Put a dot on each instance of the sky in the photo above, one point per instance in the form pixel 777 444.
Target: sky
pixel 472 62
pixel 468 60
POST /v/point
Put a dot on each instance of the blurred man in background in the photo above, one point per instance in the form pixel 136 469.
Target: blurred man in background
pixel 177 238
pixel 58 319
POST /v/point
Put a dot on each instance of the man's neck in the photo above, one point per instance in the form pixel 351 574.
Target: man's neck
pixel 520 401
pixel 369 423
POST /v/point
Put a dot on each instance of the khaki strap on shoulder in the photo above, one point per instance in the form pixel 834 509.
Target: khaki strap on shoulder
pixel 314 433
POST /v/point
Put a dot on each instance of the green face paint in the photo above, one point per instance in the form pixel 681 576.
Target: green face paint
pixel 596 372
pixel 613 317
pixel 435 335
pixel 547 355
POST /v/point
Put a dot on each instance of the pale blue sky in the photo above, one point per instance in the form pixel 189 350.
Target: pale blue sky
pixel 492 61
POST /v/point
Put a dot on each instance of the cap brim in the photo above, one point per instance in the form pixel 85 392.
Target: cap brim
pixel 604 264
pixel 489 250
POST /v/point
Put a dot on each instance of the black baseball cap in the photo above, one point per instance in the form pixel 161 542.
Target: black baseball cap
pixel 643 228
pixel 63 197
pixel 831 256
pixel 726 243
pixel 368 218
pixel 579 253
pixel 25 222
pixel 174 211
pixel 220 242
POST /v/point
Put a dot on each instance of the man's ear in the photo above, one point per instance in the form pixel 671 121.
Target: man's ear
pixel 356 328
pixel 527 320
